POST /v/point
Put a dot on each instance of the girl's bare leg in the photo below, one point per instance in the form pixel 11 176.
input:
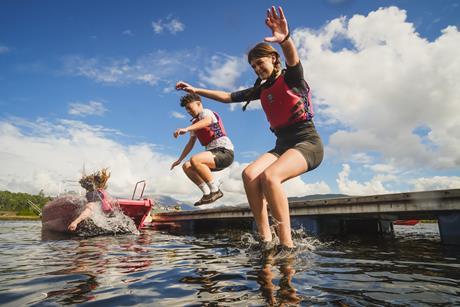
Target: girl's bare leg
pixel 254 193
pixel 289 165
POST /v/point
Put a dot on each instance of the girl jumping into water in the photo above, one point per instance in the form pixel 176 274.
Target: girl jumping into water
pixel 286 101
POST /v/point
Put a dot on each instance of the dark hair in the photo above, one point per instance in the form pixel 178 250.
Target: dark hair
pixel 184 100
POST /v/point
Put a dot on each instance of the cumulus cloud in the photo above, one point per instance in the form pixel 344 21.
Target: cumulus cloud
pixel 127 32
pixel 353 187
pixel 85 109
pixel 436 183
pixel 223 71
pixel 44 155
pixel 41 155
pixel 172 25
pixel 378 80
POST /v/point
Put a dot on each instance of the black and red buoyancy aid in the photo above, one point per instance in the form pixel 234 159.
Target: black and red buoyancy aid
pixel 208 134
pixel 285 106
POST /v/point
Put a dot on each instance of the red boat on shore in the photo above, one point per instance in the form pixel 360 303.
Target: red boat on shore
pixel 60 212
pixel 406 222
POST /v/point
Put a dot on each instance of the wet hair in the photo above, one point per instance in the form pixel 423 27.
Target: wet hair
pixel 189 98
pixel 259 51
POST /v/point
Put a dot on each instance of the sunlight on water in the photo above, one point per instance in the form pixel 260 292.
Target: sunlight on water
pixel 223 268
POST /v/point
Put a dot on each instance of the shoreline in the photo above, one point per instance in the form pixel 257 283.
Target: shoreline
pixel 19 218
pixel 11 216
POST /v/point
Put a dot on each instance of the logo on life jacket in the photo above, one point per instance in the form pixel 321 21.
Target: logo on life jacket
pixel 270 98
pixel 208 134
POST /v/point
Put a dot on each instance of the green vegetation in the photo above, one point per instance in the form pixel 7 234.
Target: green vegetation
pixel 17 202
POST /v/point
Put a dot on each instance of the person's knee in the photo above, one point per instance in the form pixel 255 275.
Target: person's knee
pixel 249 175
pixel 194 161
pixel 269 179
pixel 186 166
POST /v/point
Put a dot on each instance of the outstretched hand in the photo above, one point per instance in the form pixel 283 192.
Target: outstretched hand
pixel 175 163
pixel 180 131
pixel 184 86
pixel 278 24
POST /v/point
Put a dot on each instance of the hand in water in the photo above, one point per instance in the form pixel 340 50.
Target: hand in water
pixel 73 226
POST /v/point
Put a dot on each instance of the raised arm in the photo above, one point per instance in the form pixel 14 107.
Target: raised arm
pixel 280 34
pixel 211 94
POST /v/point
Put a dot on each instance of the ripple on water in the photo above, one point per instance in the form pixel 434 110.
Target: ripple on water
pixel 161 268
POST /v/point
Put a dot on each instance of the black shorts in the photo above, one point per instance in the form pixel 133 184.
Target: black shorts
pixel 302 137
pixel 223 157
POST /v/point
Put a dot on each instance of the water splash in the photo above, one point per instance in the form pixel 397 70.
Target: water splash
pixel 98 223
pixel 304 243
pixel 116 222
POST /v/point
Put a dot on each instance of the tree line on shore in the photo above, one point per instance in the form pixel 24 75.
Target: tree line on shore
pixel 17 202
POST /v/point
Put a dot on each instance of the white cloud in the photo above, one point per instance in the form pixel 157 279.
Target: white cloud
pixel 224 71
pixel 297 187
pixel 173 25
pixel 353 187
pixel 159 66
pixel 177 115
pixel 436 183
pixel 127 32
pixel 380 80
pixel 84 109
pixel 39 155
pixel 42 155
pixel 157 26
pixel 4 49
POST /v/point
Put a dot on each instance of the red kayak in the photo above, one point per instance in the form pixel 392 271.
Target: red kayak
pixel 406 222
pixel 60 212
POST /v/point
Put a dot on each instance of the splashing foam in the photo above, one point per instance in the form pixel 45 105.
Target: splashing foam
pixel 112 223
pixel 300 237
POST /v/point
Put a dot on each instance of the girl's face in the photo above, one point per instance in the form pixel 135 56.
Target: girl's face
pixel 264 66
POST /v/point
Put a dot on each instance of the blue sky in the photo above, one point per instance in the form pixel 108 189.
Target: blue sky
pixel 91 83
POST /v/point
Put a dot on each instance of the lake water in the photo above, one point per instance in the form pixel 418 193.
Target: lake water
pixel 160 268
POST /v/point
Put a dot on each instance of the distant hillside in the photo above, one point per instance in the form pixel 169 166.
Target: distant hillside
pixel 170 202
pixel 165 201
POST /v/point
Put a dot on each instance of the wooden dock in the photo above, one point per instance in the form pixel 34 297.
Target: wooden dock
pixel 364 214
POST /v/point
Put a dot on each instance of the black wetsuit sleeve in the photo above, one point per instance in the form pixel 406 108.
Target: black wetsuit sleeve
pixel 294 75
pixel 245 95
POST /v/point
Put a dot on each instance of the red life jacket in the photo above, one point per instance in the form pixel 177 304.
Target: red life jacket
pixel 285 106
pixel 208 134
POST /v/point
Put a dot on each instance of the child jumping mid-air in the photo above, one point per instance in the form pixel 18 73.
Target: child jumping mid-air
pixel 208 128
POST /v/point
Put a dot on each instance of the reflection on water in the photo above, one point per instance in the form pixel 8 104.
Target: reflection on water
pixel 161 268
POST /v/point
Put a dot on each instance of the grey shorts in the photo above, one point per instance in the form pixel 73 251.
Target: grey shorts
pixel 223 158
pixel 304 139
